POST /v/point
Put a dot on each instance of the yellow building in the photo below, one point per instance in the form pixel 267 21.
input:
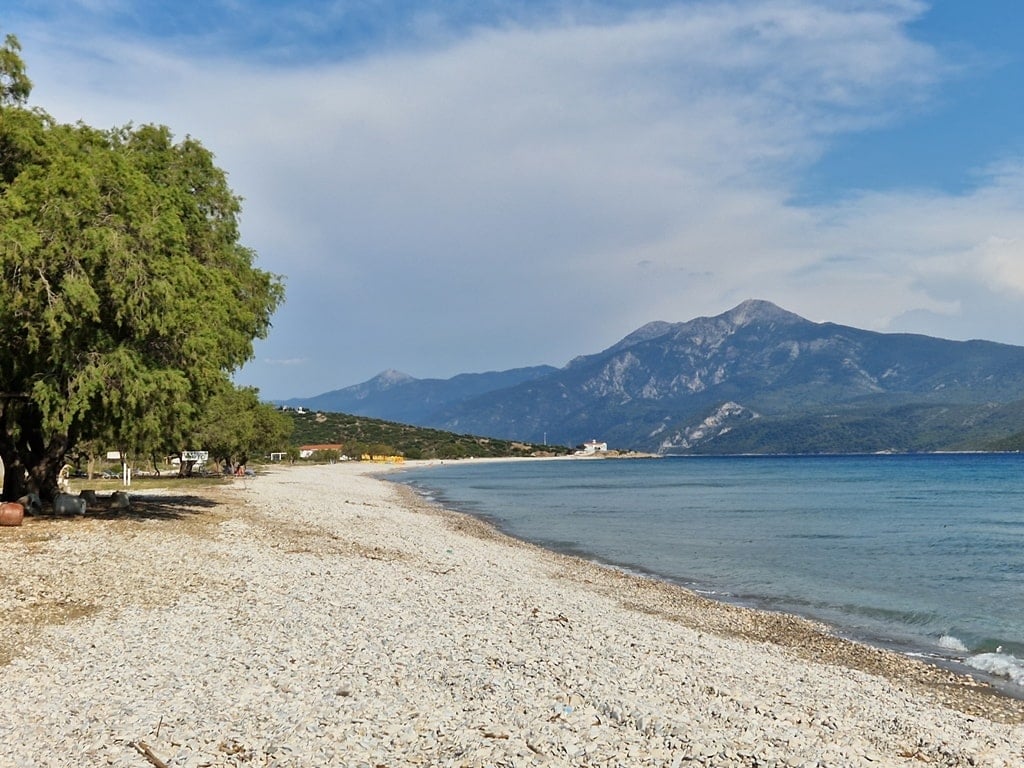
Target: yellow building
pixel 382 459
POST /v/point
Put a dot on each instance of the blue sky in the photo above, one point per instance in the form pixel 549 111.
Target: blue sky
pixel 467 186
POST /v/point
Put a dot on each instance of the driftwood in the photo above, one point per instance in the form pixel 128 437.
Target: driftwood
pixel 143 748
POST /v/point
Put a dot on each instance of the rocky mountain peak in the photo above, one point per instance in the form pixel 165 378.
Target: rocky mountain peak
pixel 391 378
pixel 649 331
pixel 754 311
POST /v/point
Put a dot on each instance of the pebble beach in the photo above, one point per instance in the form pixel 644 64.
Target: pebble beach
pixel 322 616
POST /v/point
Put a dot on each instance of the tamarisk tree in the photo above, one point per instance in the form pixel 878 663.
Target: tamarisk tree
pixel 126 298
pixel 237 426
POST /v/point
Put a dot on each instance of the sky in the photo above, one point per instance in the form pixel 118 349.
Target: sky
pixel 474 185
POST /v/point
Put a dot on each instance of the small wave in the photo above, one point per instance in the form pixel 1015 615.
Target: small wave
pixel 999 665
pixel 950 643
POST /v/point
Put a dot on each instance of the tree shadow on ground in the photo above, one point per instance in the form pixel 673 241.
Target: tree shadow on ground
pixel 142 507
pixel 160 507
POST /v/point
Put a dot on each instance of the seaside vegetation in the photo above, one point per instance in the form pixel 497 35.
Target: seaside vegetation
pixel 126 297
pixel 236 427
pixel 359 435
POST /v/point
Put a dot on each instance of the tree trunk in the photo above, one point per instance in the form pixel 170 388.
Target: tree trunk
pixel 44 471
pixel 14 474
pixel 38 476
pixel 32 464
pixel 14 468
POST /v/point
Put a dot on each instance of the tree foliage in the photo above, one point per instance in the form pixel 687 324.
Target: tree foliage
pixel 15 86
pixel 125 295
pixel 235 426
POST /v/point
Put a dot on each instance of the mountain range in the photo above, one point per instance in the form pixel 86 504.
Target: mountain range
pixel 755 379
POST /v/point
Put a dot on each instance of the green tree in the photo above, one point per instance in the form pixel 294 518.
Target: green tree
pixel 235 426
pixel 126 299
pixel 325 456
pixel 14 83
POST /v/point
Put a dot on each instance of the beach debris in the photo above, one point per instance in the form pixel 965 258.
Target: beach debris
pixel 146 752
pixel 64 504
pixel 11 513
pixel 120 501
pixel 32 503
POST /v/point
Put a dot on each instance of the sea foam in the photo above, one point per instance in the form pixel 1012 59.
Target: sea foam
pixel 999 665
pixel 950 643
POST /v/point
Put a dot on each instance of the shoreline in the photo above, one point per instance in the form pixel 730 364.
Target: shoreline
pixel 326 615
pixel 930 654
pixel 955 684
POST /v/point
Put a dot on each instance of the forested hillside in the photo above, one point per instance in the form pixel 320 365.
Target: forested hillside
pixel 358 435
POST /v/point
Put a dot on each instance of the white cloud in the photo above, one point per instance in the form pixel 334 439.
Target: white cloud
pixel 492 190
pixel 1001 264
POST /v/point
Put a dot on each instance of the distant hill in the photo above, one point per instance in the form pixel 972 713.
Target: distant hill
pixel 755 379
pixel 358 435
pixel 398 397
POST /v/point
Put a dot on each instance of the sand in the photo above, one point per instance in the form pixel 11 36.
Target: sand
pixel 319 616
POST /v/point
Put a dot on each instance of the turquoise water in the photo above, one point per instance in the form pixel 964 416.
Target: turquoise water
pixel 921 553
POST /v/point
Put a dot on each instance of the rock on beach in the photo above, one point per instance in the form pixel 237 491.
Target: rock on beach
pixel 317 616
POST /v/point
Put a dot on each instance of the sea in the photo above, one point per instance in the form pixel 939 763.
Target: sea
pixel 922 554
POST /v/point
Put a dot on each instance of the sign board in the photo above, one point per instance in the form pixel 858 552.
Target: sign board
pixel 196 456
pixel 113 455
